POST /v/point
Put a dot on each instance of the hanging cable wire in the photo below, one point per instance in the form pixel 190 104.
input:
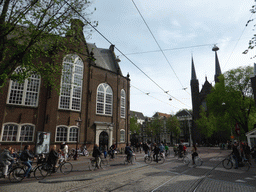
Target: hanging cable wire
pixel 152 96
pixel 157 42
pixel 236 44
pixel 122 53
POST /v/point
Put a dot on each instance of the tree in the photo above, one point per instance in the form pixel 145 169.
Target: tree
pixel 30 30
pixel 252 42
pixel 231 99
pixel 134 126
pixel 173 126
pixel 156 126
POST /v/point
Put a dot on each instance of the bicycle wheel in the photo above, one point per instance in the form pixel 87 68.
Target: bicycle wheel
pixel 66 168
pixel 246 166
pixel 227 163
pixel 186 160
pixel 37 173
pixel 148 159
pixel 104 163
pixel 198 161
pixel 92 165
pixel 161 159
pixel 17 174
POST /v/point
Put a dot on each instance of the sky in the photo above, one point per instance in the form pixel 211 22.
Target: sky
pixel 181 29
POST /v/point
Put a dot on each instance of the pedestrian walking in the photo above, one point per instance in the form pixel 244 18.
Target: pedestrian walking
pixel 5 159
pixel 96 154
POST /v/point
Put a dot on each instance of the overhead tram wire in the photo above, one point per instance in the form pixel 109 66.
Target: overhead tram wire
pixel 153 97
pixel 157 42
pixel 236 43
pixel 121 52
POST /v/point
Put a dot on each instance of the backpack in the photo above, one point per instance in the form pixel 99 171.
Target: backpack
pixel 23 156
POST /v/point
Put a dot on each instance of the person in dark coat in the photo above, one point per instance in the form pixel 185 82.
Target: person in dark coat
pixel 53 157
pixel 235 154
pixel 156 152
pixel 26 158
pixel 96 154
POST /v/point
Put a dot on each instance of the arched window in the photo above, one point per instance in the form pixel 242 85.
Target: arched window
pixel 104 99
pixel 122 135
pixel 71 83
pixel 68 134
pixel 25 93
pixel 73 134
pixel 61 134
pixel 16 132
pixel 122 103
pixel 26 133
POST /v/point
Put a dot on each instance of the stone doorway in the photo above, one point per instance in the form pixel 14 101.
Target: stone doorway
pixel 103 140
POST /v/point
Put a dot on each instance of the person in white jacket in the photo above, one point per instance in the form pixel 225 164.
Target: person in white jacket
pixel 65 151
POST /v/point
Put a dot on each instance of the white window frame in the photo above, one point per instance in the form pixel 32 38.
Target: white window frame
pixel 68 133
pixel 122 134
pixel 18 131
pixel 104 103
pixel 73 61
pixel 25 90
pixel 122 103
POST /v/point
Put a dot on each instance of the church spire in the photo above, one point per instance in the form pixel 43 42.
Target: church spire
pixel 193 71
pixel 217 64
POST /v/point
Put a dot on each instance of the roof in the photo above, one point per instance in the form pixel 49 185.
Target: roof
pixel 158 114
pixel 138 115
pixel 183 113
pixel 105 58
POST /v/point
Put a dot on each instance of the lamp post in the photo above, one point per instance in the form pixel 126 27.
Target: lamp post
pixel 78 124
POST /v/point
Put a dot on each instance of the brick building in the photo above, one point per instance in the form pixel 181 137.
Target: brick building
pixel 93 90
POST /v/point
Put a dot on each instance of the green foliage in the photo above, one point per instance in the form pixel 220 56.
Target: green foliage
pixel 156 126
pixel 230 102
pixel 173 125
pixel 32 30
pixel 134 126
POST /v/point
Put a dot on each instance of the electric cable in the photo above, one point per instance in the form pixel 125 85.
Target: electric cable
pixel 122 53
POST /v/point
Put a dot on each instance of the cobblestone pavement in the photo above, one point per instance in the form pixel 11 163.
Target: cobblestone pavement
pixel 173 175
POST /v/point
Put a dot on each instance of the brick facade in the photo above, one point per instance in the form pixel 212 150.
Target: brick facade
pixel 47 116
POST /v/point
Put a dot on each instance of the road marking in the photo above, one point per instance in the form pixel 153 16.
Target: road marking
pixel 240 181
pixel 249 178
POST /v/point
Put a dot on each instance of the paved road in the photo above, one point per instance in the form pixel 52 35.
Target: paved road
pixel 173 175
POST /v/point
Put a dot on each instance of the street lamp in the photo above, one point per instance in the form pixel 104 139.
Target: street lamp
pixel 78 124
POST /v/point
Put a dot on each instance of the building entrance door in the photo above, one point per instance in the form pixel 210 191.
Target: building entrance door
pixel 103 140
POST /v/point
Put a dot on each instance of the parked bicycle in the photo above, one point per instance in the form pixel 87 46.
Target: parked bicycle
pixel 229 162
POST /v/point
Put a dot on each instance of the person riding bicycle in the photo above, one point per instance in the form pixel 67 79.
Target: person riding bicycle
pixel 25 157
pixel 53 158
pixel 112 150
pixel 235 154
pixel 156 152
pixel 5 159
pixel 166 149
pixel 96 154
pixel 194 153
pixel 128 152
pixel 181 150
pixel 161 148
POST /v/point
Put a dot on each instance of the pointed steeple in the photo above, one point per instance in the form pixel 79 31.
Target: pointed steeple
pixel 193 71
pixel 217 64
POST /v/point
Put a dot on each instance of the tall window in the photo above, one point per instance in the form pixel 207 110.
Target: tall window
pixel 122 103
pixel 17 133
pixel 69 134
pixel 25 93
pixel 122 135
pixel 71 83
pixel 104 99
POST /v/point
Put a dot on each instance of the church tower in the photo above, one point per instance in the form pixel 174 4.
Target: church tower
pixel 199 97
pixel 195 99
pixel 217 64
